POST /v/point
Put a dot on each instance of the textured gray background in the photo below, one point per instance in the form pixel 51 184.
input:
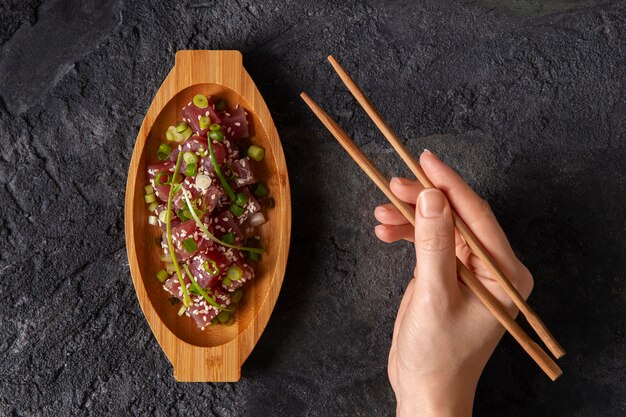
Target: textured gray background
pixel 525 98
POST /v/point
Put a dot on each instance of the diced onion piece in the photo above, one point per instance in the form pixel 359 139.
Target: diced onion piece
pixel 163 216
pixel 153 220
pixel 182 310
pixel 170 268
pixel 257 219
pixel 203 182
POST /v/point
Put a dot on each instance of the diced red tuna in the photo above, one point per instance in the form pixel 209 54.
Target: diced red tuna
pixel 220 156
pixel 242 168
pixel 237 258
pixel 208 267
pixel 235 124
pixel 192 113
pixel 224 223
pixel 188 230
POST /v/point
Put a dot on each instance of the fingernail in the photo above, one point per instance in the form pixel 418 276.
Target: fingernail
pixel 427 151
pixel 431 203
pixel 403 181
pixel 380 210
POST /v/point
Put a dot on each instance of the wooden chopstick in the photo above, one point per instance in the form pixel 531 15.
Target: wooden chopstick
pixel 542 359
pixel 471 239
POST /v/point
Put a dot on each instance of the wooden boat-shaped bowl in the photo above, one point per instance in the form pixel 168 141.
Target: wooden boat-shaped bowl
pixel 217 353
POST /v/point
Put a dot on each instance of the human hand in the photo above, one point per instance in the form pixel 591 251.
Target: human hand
pixel 443 335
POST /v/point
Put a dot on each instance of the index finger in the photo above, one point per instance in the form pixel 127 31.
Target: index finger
pixel 474 211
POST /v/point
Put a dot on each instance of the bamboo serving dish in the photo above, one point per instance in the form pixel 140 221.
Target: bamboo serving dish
pixel 217 353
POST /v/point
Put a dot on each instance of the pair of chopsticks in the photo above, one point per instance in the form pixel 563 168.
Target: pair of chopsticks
pixel 545 362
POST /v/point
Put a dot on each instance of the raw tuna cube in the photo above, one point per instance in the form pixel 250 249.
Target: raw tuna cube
pixel 224 223
pixel 172 285
pixel 207 267
pixel 220 155
pixel 202 312
pixel 243 172
pixel 195 144
pixel 251 207
pixel 235 124
pixel 188 230
pixel 192 113
pixel 237 258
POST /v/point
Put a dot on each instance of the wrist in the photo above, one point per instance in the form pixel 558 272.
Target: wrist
pixel 454 398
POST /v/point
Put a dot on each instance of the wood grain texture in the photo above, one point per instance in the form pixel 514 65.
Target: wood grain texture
pixel 545 362
pixel 217 353
pixel 465 231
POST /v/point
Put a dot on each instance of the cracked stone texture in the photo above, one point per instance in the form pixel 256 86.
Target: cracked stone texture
pixel 525 98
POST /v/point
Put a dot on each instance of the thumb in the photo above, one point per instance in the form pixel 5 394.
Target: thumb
pixel 435 272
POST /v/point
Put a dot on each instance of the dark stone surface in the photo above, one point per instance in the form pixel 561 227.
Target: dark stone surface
pixel 525 98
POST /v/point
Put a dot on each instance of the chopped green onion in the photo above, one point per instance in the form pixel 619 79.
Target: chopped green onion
pixel 187 133
pixel 196 286
pixel 170 244
pixel 226 282
pixel 150 198
pixel 201 101
pixel 181 215
pixel 153 220
pixel 260 189
pixel 191 170
pixel 242 199
pixel 182 310
pixel 234 273
pixel 218 171
pixel 153 206
pixel 209 235
pixel 163 152
pixel 190 157
pixel 254 257
pixel 170 268
pixel 256 152
pixel 223 317
pixel 220 105
pixel 203 151
pixel 173 136
pixel 215 127
pixel 204 122
pixel 216 135
pixel 162 275
pixel 190 245
pixel 181 127
pixel 162 178
pixel 211 267
pixel 166 258
pixel 236 210
pixel 236 296
pixel 163 216
pixel 228 238
pixel 149 189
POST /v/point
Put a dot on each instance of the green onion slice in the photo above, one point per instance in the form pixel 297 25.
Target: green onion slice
pixel 216 135
pixel 234 273
pixel 170 245
pixel 201 101
pixel 256 152
pixel 162 275
pixel 215 127
pixel 162 178
pixel 204 122
pixel 236 210
pixel 209 234
pixel 211 267
pixel 190 245
pixel 181 127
